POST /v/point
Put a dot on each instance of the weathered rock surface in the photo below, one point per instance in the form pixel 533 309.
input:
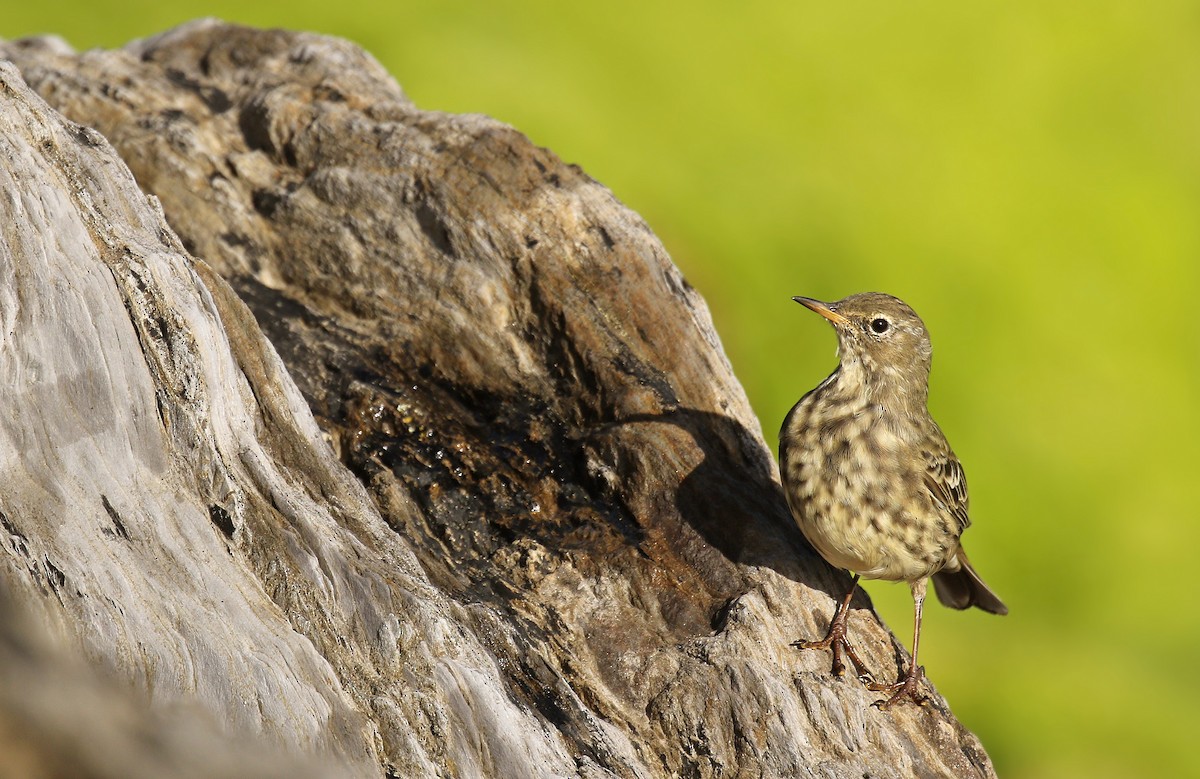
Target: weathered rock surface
pixel 554 544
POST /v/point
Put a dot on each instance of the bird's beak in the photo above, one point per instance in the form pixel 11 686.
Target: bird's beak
pixel 823 309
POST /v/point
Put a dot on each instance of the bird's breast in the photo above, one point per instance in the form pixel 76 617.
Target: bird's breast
pixel 854 484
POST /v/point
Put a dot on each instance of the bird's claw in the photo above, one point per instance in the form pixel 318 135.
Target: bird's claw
pixel 908 688
pixel 839 646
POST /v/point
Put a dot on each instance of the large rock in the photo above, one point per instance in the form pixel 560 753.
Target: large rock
pixel 554 544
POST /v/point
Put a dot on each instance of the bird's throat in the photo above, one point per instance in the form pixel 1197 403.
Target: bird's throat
pixel 865 382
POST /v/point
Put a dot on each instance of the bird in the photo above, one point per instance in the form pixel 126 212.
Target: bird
pixel 871 480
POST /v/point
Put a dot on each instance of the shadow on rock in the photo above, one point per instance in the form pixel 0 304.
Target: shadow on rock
pixel 734 502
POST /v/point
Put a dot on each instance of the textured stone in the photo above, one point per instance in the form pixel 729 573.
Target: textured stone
pixel 555 542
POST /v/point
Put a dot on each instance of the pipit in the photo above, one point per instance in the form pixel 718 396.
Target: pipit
pixel 870 479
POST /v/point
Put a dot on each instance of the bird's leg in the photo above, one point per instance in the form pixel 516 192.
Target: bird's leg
pixel 836 640
pixel 909 686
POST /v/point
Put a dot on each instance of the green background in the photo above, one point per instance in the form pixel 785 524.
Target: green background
pixel 1026 174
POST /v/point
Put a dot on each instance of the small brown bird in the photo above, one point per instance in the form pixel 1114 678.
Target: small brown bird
pixel 869 476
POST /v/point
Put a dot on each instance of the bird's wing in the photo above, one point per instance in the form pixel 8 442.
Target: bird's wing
pixel 947 485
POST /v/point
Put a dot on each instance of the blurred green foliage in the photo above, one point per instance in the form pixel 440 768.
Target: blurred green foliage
pixel 1026 174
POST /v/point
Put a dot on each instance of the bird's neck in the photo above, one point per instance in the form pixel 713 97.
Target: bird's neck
pixel 897 393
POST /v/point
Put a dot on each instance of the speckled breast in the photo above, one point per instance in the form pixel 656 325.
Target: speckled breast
pixel 857 493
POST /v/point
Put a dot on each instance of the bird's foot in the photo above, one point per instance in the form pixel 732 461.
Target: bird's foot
pixel 838 645
pixel 908 688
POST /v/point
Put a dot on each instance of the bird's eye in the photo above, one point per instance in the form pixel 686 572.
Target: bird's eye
pixel 880 326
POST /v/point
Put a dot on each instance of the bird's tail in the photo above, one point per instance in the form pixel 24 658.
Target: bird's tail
pixel 962 589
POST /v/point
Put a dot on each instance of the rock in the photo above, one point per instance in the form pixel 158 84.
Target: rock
pixel 59 717
pixel 490 501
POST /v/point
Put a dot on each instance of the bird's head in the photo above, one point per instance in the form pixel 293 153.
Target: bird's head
pixel 880 336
